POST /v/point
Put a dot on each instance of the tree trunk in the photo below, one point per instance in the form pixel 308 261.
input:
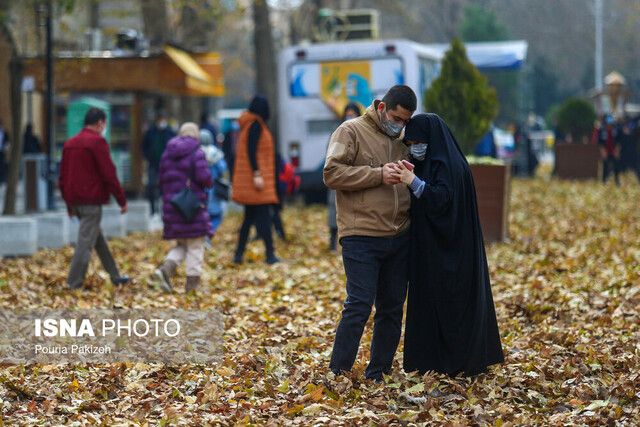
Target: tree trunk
pixel 156 22
pixel 16 71
pixel 265 63
pixel 197 26
pixel 156 29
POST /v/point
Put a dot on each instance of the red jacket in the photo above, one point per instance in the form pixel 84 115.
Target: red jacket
pixel 87 173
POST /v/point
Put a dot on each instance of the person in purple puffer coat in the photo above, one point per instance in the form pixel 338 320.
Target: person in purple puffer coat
pixel 189 236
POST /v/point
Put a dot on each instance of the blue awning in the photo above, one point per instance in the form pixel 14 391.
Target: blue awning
pixel 493 56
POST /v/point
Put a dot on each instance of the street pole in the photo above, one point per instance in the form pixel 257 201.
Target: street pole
pixel 598 64
pixel 51 172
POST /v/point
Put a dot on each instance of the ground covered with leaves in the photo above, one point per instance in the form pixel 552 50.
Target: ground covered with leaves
pixel 566 288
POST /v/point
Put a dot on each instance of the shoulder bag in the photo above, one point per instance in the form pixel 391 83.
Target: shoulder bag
pixel 222 189
pixel 186 202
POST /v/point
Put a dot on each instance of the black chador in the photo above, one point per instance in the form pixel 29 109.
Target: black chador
pixel 451 323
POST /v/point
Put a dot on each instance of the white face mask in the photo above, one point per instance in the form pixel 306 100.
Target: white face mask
pixel 103 132
pixel 419 151
pixel 162 124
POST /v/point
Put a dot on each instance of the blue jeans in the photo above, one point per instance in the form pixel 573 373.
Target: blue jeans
pixel 377 273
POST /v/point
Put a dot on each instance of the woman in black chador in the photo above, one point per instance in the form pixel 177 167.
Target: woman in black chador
pixel 451 323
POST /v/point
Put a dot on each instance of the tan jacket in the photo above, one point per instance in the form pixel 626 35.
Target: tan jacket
pixel 357 151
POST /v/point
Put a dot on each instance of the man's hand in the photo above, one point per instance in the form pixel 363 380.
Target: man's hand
pixel 389 174
pixel 124 209
pixel 406 176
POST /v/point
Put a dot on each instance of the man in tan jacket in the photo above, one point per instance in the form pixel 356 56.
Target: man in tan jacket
pixel 373 224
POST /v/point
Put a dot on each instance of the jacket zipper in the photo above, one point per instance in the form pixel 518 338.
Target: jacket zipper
pixel 395 189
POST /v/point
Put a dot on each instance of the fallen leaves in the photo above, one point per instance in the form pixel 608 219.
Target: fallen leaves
pixel 566 289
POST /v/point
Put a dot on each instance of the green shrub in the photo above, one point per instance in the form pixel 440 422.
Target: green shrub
pixel 462 97
pixel 576 117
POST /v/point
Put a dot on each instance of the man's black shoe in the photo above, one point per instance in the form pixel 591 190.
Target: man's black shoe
pixel 122 280
pixel 273 260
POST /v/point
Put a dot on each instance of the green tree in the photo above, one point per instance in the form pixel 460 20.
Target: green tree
pixel 479 25
pixel 576 117
pixel 462 97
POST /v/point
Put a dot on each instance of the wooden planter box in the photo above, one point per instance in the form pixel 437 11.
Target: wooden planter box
pixel 493 189
pixel 577 161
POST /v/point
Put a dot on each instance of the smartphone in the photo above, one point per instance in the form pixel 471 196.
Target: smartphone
pixel 408 164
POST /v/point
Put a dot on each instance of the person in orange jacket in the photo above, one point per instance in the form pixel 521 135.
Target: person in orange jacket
pixel 254 177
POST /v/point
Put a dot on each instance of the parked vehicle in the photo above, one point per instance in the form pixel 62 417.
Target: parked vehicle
pixel 317 81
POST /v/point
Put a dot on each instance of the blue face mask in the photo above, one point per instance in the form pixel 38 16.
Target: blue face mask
pixel 391 128
pixel 419 151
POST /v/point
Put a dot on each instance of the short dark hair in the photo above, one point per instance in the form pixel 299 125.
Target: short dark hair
pixel 93 116
pixel 352 106
pixel 401 95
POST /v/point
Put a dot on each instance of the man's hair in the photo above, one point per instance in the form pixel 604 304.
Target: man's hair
pixel 401 95
pixel 93 116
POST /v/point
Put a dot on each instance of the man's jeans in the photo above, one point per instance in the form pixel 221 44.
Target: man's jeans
pixel 377 273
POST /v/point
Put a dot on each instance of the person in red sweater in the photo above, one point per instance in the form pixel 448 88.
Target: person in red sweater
pixel 87 179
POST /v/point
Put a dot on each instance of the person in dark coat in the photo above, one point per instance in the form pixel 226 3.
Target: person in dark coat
pixel 153 145
pixel 451 324
pixel 609 149
pixel 5 141
pixel 190 236
pixel 627 145
pixel 31 142
pixel 230 144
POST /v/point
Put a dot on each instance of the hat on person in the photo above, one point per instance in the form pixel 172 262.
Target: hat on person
pixel 206 137
pixel 190 129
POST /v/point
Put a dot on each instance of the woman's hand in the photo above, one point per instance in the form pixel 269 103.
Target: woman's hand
pixel 406 176
pixel 258 181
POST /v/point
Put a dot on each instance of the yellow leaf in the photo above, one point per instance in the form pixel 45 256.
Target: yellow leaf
pixel 295 410
pixel 284 387
pixel 225 371
pixel 416 388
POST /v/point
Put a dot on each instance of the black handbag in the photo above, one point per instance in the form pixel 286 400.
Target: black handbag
pixel 186 202
pixel 222 189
